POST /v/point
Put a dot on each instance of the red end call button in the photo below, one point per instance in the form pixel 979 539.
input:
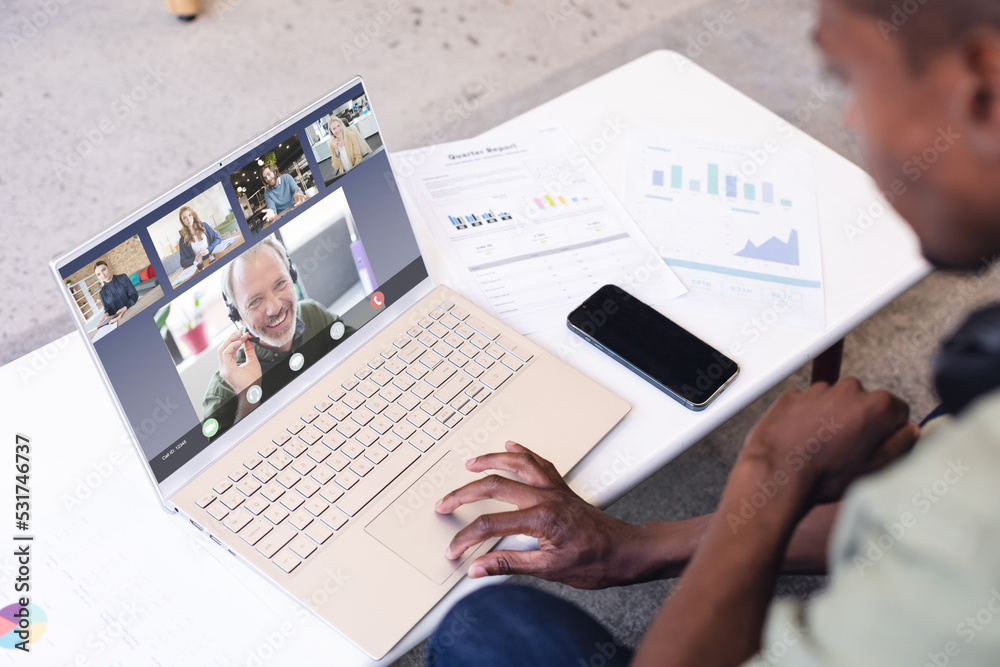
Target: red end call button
pixel 377 300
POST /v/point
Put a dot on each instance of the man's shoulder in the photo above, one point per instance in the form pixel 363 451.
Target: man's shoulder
pixel 315 316
pixel 313 313
pixel 217 392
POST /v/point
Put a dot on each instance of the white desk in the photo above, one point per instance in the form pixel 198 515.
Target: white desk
pixel 41 394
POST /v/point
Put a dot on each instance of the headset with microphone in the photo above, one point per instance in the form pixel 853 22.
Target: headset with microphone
pixel 967 366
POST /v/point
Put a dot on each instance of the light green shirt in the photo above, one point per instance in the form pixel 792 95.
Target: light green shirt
pixel 914 563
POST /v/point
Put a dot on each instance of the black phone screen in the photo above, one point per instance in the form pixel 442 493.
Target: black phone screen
pixel 667 355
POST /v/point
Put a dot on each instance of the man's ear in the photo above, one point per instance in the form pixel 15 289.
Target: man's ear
pixel 980 92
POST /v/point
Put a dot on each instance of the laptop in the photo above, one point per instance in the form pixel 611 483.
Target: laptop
pixel 298 387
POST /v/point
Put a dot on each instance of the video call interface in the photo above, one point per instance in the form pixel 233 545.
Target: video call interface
pixel 207 307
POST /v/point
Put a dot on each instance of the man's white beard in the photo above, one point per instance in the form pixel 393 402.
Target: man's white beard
pixel 275 343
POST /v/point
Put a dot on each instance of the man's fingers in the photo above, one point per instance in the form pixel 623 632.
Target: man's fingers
pixel 510 562
pixel 524 466
pixel 898 444
pixel 521 461
pixel 228 343
pixel 250 351
pixel 522 522
pixel 544 463
pixel 494 487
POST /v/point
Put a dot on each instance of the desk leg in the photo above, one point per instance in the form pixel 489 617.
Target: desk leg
pixel 826 367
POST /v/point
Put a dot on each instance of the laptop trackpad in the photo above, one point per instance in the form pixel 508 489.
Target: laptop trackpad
pixel 415 532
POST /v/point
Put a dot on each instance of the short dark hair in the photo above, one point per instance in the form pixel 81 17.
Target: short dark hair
pixel 101 263
pixel 926 27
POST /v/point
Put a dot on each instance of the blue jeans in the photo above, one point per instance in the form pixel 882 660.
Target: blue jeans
pixel 507 625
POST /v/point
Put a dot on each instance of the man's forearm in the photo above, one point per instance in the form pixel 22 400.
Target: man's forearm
pixel 729 582
pixel 664 548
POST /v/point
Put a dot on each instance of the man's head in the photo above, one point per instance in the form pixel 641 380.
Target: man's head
pixel 269 175
pixel 259 286
pixel 102 271
pixel 924 76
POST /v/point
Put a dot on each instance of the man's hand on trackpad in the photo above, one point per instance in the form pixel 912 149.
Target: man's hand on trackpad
pixel 578 544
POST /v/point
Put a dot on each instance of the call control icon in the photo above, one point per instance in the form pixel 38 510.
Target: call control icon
pixel 210 428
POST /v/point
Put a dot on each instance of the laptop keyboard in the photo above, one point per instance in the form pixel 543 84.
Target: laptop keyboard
pixel 296 493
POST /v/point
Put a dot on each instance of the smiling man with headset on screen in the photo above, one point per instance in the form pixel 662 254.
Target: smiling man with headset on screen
pixel 259 290
pixel 914 548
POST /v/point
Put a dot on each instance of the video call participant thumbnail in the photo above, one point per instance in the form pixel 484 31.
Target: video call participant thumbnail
pixel 281 192
pixel 117 294
pixel 347 148
pixel 197 240
pixel 259 289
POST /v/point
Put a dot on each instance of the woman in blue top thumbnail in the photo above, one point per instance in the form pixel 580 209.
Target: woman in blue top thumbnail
pixel 198 240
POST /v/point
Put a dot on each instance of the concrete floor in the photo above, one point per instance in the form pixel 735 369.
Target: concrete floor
pixel 174 96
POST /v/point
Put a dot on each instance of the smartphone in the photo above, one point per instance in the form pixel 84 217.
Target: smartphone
pixel 674 360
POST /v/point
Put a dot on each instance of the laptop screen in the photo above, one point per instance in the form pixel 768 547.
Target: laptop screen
pixel 207 306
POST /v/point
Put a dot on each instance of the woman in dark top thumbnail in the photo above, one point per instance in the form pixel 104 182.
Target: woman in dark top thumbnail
pixel 118 293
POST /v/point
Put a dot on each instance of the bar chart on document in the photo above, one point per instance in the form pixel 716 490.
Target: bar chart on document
pixel 736 222
pixel 536 232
